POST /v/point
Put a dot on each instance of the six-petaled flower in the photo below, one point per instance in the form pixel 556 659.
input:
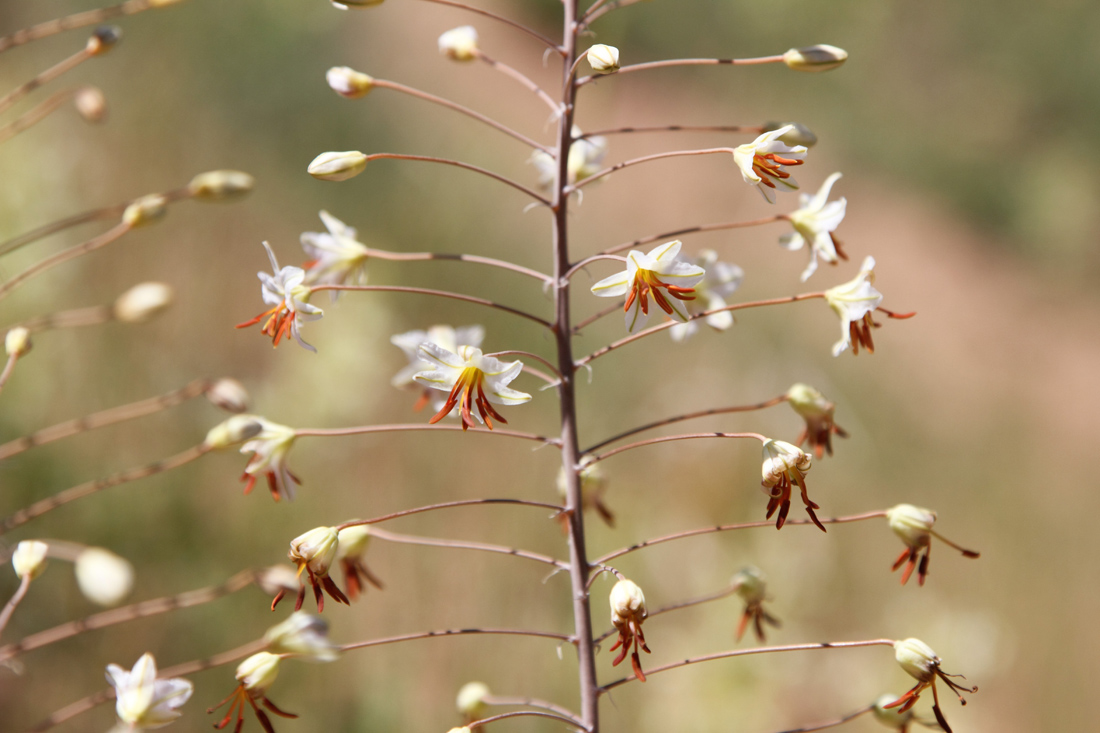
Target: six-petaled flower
pixel 269 450
pixel 628 611
pixel 785 465
pixel 814 223
pixel 313 553
pixel 470 379
pixel 660 275
pixel 854 302
pixel 255 675
pixel 288 295
pixel 336 257
pixel 141 700
pixel 761 162
pixel 921 663
pixel 445 337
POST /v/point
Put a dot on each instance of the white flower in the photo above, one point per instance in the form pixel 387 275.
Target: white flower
pixel 921 663
pixel 784 466
pixel 336 257
pixel 603 59
pixel 286 292
pixel 17 342
pixel 446 337
pixel 302 635
pixel 586 156
pixel 814 223
pixel 29 558
pixel 459 44
pixel 143 701
pixel 337 165
pixel 762 165
pixel 721 280
pixel 818 414
pixel 470 701
pixel 269 451
pixel 104 577
pixel 347 82
pixel 259 671
pixel 142 302
pixel 316 549
pixel 854 302
pixel 470 378
pixel 648 274
pixel 628 611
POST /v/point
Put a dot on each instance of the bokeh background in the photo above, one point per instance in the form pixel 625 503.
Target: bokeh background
pixel 967 136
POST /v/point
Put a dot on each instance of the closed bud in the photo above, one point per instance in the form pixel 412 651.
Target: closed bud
pixel 348 82
pixel 750 585
pixel 17 342
pixel 337 166
pixel 471 700
pixel 459 44
pixel 799 134
pixel 353 540
pixel 911 523
pixel 142 302
pixel 821 57
pixel 91 104
pixel 220 185
pixel 145 210
pixel 627 603
pixel 228 394
pixel 103 577
pixel 259 671
pixel 29 559
pixel 603 59
pixel 315 549
pixel 302 635
pixel 916 658
pixel 104 38
pixel 233 431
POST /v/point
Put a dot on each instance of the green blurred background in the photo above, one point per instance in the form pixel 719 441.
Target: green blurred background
pixel 967 136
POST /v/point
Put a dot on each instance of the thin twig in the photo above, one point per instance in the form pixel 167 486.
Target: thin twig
pixel 589 260
pixel 397 428
pixel 9 367
pixel 453 632
pixel 671 438
pixel 71 22
pixel 528 714
pixel 684 62
pixel 462 545
pixel 75 318
pixel 425 256
pixel 754 129
pixel 65 255
pixel 533 702
pixel 724 593
pixel 13 602
pixel 67 64
pixel 522 78
pixel 36 114
pixel 598 315
pixel 460 164
pixel 645 159
pixel 438 293
pixel 832 723
pixel 694 230
pixel 446 505
pixel 507 21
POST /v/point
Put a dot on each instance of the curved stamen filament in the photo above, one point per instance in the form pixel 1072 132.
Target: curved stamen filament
pixel 462 394
pixel 767 166
pixel 647 282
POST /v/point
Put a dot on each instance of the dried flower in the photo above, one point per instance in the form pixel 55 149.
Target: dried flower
pixel 750 585
pixel 255 674
pixel 647 275
pixel 302 635
pixel 145 210
pixel 277 580
pixel 314 553
pixel 17 342
pixel 336 257
pixel 228 394
pixel 921 663
pixel 821 57
pixel 721 280
pixel 142 302
pixel 628 611
pixel 337 166
pixel 103 577
pixel 818 414
pixel 470 379
pixel 761 162
pixel 29 559
pixel 785 465
pixel 459 44
pixel 285 290
pixel 603 59
pixel 269 449
pixel 914 526
pixel 471 701
pixel 223 185
pixel 593 485
pixel 347 82
pixel 353 546
pixel 446 337
pixel 814 223
pixel 141 700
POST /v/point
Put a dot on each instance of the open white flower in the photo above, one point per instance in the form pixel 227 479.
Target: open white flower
pixel 445 337
pixel 854 302
pixel 141 700
pixel 761 162
pixel 721 280
pixel 586 156
pixel 814 223
pixel 269 451
pixel 336 257
pixel 647 275
pixel 470 378
pixel 285 290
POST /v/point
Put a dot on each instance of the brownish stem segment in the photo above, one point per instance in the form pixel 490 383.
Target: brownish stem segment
pixel 36 114
pixel 445 505
pixel 685 62
pixel 71 22
pixel 453 632
pixel 14 601
pixel 500 18
pixel 65 255
pixel 460 164
pixel 45 77
pixel 832 723
pixel 417 427
pixel 753 129
pixel 699 228
pixel 532 702
pixel 406 539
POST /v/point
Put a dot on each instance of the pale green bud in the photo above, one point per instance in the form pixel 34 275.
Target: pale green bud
pixel 821 57
pixel 337 166
pixel 17 342
pixel 142 302
pixel 145 210
pixel 29 558
pixel 233 431
pixel 471 700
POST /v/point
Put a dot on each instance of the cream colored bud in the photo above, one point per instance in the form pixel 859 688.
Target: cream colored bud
pixel 91 104
pixel 104 38
pixel 471 700
pixel 799 134
pixel 29 558
pixel 221 185
pixel 302 635
pixel 259 671
pixel 808 402
pixel 228 394
pixel 459 44
pixel 751 585
pixel 348 82
pixel 603 59
pixel 337 166
pixel 278 579
pixel 145 210
pixel 916 658
pixel 142 302
pixel 627 602
pixel 890 717
pixel 104 578
pixel 345 4
pixel 17 342
pixel 353 541
pixel 911 523
pixel 821 57
pixel 315 549
pixel 233 431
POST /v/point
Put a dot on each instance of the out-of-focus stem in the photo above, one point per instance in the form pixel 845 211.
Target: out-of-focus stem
pixel 13 602
pixel 507 21
pixel 462 545
pixel 645 159
pixel 368 429
pixel 671 438
pixel 38 113
pixel 71 22
pixel 45 77
pixel 522 78
pixel 9 367
pixel 831 723
pixel 532 702
pixel 445 505
pixel 694 230
pixel 76 318
pixel 685 62
pixel 379 254
pixel 453 632
pixel 754 129
pixel 529 714
pixel 429 291
pixel 460 164
pixel 65 255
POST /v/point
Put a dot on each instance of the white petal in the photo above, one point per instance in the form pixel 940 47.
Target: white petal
pixel 337 227
pixel 682 274
pixel 498 370
pixel 635 319
pixel 505 395
pixel 613 286
pixel 665 254
pixel 409 342
pixel 810 268
pixel 720 321
pixel 271 256
pixel 792 241
pixel 469 336
pixel 434 354
pixel 437 380
pixel 681 331
pixel 823 193
pixel 679 309
pixel 767 192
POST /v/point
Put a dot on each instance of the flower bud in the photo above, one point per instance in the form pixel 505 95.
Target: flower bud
pixel 142 302
pixel 459 44
pixel 220 185
pixel 104 578
pixel 233 431
pixel 345 4
pixel 17 342
pixel 916 658
pixel 911 523
pixel 348 82
pixel 603 59
pixel 353 541
pixel 627 602
pixel 228 394
pixel 303 635
pixel 278 579
pixel 315 549
pixel 780 458
pixel 104 38
pixel 90 103
pixel 890 717
pixel 799 134
pixel 337 166
pixel 471 700
pixel 145 210
pixel 259 671
pixel 29 558
pixel 808 402
pixel 750 585
pixel 821 57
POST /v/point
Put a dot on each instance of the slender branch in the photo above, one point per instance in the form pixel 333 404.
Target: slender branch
pixel 645 159
pixel 14 601
pixel 535 703
pixel 724 593
pixel 61 67
pixel 9 367
pixel 507 21
pixel 75 318
pixel 462 545
pixel 453 632
pixel 385 84
pixel 445 505
pixel 685 62
pixel 36 114
pixel 832 723
pixel 703 314
pixel 71 22
pixel 670 438
pixel 65 255
pixel 91 487
pixel 694 230
pixel 598 315
pixel 522 78
pixel 730 527
pixel 530 713
pixel 753 129
pixel 134 611
pixel 368 429
pixel 379 254
pixel 438 293
pixel 460 164
pixel 101 419
pixel 746 652
pixel 689 416
pixel 589 260
pixel 529 355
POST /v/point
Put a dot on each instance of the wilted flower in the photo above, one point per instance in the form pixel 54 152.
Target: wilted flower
pixel 350 552
pixel 221 185
pixel 466 373
pixel 761 162
pixel 814 223
pixel 751 587
pixel 921 663
pixel 459 44
pixel 29 558
pixel 603 59
pixel 445 337
pixel 821 57
pixel 628 611
pixel 647 275
pixel 470 702
pixel 269 450
pixel 277 580
pixel 313 553
pixel 785 465
pixel 593 486
pixel 285 290
pixel 720 281
pixel 255 674
pixel 103 577
pixel 302 635
pixel 337 166
pixel 914 526
pixel 141 700
pixel 818 414
pixel 347 82
pixel 586 156
pixel 335 258
pixel 142 302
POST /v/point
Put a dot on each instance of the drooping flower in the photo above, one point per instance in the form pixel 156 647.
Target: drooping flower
pixel 593 485
pixel 721 280
pixel 913 525
pixel 353 546
pixel 445 337
pixel 647 275
pixel 751 586
pixel 255 675
pixel 921 663
pixel 761 162
pixel 814 223
pixel 141 700
pixel 313 553
pixel 335 257
pixel 854 302
pixel 785 465
pixel 818 414
pixel 302 635
pixel 269 449
pixel 285 290
pixel 586 156
pixel 471 379
pixel 470 701
pixel 628 611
